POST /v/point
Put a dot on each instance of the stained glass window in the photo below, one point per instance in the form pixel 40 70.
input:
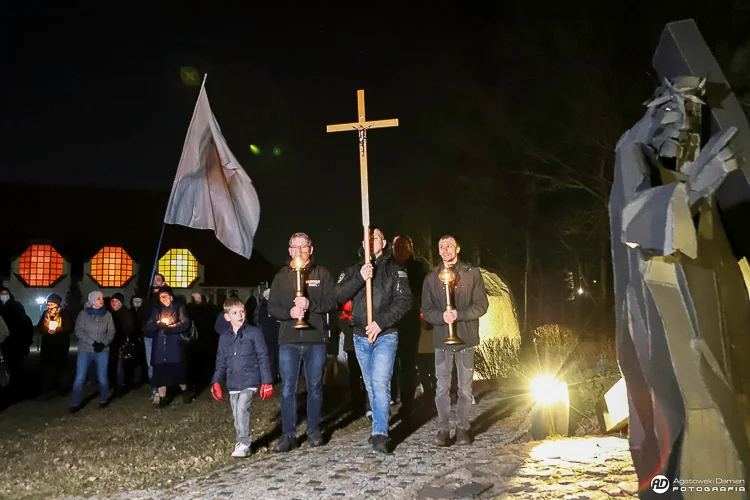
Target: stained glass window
pixel 40 265
pixel 179 267
pixel 111 267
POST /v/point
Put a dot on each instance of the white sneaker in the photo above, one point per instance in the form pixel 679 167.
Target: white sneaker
pixel 368 415
pixel 241 450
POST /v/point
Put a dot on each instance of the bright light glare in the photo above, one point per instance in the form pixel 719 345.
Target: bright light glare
pixel 580 291
pixel 546 390
pixel 40 300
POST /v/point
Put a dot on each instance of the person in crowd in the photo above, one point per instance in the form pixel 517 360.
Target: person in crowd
pixel 201 353
pixel 410 325
pixel 165 325
pixel 95 331
pixel 375 343
pixel 138 361
pixel 16 347
pixel 242 360
pixel 121 370
pixel 55 326
pixel 470 303
pixel 301 346
pixel 360 402
pixel 270 327
pixel 145 314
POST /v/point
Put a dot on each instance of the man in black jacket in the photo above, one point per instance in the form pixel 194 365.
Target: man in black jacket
pixel 301 345
pixel 410 327
pixel 470 303
pixel 375 344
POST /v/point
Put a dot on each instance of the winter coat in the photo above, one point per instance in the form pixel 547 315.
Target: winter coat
pixel 242 357
pixel 60 340
pixel 470 301
pixel 16 345
pixel 319 291
pixel 167 346
pixel 410 326
pixel 92 327
pixel 391 295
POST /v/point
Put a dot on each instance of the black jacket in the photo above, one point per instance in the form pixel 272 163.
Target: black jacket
pixel 318 290
pixel 391 295
pixel 469 300
pixel 410 327
pixel 242 357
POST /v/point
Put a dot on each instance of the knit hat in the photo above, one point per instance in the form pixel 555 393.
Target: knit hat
pixel 54 299
pixel 119 296
pixel 93 295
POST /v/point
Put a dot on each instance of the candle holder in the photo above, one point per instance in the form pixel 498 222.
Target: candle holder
pixel 298 265
pixel 447 277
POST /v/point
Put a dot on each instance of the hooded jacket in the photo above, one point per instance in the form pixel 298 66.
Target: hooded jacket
pixel 470 301
pixel 319 292
pixel 391 295
pixel 242 357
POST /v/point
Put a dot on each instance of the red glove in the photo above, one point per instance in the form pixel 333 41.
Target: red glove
pixel 216 391
pixel 266 391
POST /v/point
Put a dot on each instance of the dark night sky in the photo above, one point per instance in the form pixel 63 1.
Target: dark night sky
pixel 92 96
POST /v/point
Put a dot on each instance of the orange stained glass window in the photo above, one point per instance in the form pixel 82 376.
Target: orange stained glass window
pixel 111 267
pixel 40 265
pixel 179 267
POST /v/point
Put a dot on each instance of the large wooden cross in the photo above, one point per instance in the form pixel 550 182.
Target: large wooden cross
pixel 362 126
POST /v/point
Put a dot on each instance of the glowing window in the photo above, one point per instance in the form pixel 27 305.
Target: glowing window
pixel 40 265
pixel 111 267
pixel 179 267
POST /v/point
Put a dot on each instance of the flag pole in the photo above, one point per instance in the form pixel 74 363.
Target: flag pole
pixel 164 224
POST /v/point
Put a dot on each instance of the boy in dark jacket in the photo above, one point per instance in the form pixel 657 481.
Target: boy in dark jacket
pixel 243 359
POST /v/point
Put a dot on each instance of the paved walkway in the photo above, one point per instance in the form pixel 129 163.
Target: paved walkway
pixel 497 465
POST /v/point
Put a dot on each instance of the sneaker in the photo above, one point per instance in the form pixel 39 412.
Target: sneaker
pixel 286 443
pixel 380 443
pixel 315 439
pixel 443 438
pixel 462 437
pixel 241 450
pixel 368 414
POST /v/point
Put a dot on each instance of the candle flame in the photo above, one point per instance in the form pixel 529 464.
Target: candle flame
pixel 53 325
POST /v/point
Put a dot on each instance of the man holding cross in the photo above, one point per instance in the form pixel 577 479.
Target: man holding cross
pixel 376 341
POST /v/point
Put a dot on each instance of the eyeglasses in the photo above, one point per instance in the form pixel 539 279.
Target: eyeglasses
pixel 301 248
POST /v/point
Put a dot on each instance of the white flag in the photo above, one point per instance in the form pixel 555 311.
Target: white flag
pixel 211 189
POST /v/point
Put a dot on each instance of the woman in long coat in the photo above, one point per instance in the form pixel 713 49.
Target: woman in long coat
pixel 166 323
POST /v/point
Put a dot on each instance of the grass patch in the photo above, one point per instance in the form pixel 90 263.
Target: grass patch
pixel 46 452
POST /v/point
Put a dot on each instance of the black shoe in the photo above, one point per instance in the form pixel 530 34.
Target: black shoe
pixel 462 436
pixel 443 438
pixel 187 398
pixel 74 409
pixel 286 443
pixel 315 439
pixel 380 443
pixel 103 405
pixel 161 403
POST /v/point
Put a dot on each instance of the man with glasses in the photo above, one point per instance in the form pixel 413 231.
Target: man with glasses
pixel 305 346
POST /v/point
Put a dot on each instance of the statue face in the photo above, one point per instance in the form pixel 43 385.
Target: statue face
pixel 678 107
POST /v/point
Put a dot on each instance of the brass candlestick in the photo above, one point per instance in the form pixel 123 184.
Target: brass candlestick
pixel 446 276
pixel 298 265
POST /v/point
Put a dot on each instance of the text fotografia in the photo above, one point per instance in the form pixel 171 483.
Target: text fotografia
pixel 716 484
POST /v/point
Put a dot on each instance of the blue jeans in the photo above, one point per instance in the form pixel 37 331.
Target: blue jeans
pixel 313 358
pixel 376 362
pixel 83 360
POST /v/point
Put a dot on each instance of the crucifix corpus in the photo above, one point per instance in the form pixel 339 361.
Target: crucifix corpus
pixel 362 126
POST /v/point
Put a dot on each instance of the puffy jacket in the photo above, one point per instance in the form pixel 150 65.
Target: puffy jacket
pixel 470 301
pixel 167 346
pixel 319 288
pixel 391 295
pixel 92 327
pixel 242 357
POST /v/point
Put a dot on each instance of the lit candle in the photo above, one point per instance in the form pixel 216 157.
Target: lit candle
pixel 53 325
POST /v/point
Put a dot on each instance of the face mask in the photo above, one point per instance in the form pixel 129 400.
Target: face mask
pixel 4 298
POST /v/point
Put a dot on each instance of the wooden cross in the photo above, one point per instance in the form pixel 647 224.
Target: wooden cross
pixel 362 126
